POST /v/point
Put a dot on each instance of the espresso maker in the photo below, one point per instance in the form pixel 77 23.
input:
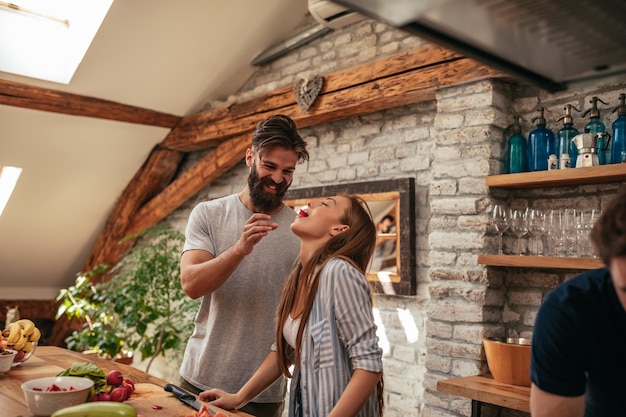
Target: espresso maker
pixel 587 145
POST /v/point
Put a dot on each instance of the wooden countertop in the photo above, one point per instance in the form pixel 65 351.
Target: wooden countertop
pixel 485 389
pixel 50 360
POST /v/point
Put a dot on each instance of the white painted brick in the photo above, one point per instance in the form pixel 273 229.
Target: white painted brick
pixel 367 171
pixel 368 54
pixel 346 174
pixel 447 153
pixel 467 367
pixel 454 205
pixel 473 185
pixel 465 102
pixel 509 315
pixel 438 363
pixel 439 329
pixel 390 48
pixel 443 187
pixel 495 297
pixel 406 354
pixel 448 121
pixel 326 176
pixel 469 332
pixel 369 129
pixel 530 317
pixel 337 162
pixel 452 311
pixel 456 241
pixel 382 154
pixel 454 349
pixel 406 150
pixel 461 169
pixel 437 412
pixel 417 163
pixel 467 135
pixel 526 298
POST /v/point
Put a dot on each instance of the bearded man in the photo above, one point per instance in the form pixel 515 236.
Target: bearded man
pixel 238 251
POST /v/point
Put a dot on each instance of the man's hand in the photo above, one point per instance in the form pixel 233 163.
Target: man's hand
pixel 257 226
pixel 202 273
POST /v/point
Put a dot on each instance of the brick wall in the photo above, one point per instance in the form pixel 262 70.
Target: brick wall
pixel 448 146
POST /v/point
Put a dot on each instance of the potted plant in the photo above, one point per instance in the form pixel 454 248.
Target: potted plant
pixel 142 307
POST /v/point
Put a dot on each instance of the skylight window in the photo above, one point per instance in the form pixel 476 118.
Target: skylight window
pixel 8 180
pixel 47 39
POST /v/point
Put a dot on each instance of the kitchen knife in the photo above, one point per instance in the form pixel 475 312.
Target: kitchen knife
pixel 184 396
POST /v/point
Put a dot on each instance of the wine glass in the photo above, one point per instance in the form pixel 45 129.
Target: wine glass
pixel 554 232
pixel 536 228
pixel 569 234
pixel 500 220
pixel 585 221
pixel 519 225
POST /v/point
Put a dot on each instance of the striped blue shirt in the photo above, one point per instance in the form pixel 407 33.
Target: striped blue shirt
pixel 340 336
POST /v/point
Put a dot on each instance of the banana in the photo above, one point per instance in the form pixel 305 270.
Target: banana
pixel 19 345
pixel 28 347
pixel 97 409
pixel 27 325
pixel 15 332
pixel 35 336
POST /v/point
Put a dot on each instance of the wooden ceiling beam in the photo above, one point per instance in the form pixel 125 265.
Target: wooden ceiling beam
pixel 365 83
pixel 37 98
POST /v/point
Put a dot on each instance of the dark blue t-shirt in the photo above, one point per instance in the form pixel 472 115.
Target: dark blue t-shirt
pixel 579 344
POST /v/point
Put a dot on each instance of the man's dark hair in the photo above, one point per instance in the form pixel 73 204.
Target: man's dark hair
pixel 279 130
pixel 609 233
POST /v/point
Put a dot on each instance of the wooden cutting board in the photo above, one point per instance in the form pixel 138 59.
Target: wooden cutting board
pixel 151 400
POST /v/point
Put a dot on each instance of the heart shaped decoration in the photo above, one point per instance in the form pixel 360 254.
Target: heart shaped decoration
pixel 306 91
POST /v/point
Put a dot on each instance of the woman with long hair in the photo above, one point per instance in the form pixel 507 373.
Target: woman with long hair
pixel 325 323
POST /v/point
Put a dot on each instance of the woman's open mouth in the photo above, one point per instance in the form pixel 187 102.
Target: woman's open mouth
pixel 303 213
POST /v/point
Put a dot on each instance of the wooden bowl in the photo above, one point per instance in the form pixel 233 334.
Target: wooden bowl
pixel 509 359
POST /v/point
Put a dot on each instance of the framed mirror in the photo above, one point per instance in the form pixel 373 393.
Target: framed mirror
pixel 392 203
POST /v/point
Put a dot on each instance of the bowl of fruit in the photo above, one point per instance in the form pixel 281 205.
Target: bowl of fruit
pixel 6 359
pixel 21 336
pixel 46 395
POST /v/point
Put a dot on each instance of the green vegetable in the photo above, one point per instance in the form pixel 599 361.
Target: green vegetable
pixel 88 370
pixel 97 409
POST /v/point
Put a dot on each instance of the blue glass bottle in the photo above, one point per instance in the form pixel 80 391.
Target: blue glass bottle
pixel 541 144
pixel 618 143
pixel 565 135
pixel 595 125
pixel 517 149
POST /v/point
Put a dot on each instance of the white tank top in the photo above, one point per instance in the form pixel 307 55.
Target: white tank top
pixel 290 330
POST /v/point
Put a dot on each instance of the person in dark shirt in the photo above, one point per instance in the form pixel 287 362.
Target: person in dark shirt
pixel 579 337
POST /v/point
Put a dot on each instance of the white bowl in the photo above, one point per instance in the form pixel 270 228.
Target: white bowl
pixel 43 403
pixel 6 359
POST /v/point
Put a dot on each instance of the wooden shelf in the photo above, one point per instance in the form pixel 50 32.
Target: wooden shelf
pixel 539 262
pixel 485 389
pixel 562 177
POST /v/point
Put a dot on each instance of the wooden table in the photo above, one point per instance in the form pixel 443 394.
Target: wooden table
pixel 50 360
pixel 483 389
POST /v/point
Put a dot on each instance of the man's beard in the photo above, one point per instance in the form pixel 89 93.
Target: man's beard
pixel 262 200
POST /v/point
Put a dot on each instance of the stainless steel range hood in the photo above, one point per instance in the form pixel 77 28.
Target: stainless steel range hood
pixel 551 43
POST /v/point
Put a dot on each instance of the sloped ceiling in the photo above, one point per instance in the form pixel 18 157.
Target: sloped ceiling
pixel 166 56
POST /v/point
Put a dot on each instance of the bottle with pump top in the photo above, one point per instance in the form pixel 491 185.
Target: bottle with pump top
pixel 541 144
pixel 565 135
pixel 517 149
pixel 618 148
pixel 595 125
